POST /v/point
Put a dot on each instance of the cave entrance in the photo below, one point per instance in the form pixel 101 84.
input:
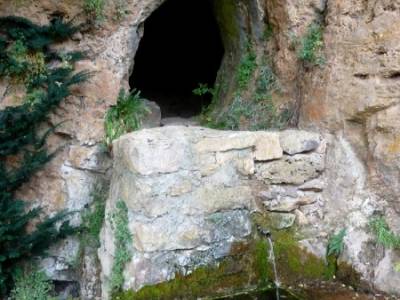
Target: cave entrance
pixel 181 48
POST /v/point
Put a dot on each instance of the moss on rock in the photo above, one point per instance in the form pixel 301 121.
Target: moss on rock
pixel 226 12
pixel 294 263
pixel 246 268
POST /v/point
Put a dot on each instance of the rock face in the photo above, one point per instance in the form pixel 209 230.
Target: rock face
pixel 352 100
pixel 190 192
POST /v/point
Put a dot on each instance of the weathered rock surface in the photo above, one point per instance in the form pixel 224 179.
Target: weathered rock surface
pixel 354 97
pixel 296 141
pixel 153 117
pixel 190 192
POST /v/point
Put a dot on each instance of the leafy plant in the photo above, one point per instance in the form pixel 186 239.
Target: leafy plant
pixel 246 68
pixel 311 46
pixel 93 219
pixel 202 90
pixel 333 251
pixel 22 151
pixel 258 112
pixel 267 82
pixel 32 286
pixel 383 234
pixel 126 116
pixel 336 244
pixel 123 241
pixel 95 9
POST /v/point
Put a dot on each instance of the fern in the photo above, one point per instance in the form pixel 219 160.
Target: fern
pixel 335 244
pixel 126 116
pixel 383 234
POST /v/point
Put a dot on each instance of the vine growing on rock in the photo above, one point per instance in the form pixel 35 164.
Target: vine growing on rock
pixel 123 240
pixel 26 57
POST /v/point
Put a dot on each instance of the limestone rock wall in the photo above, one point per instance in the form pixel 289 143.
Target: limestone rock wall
pixel 355 96
pixel 190 192
pixel 352 100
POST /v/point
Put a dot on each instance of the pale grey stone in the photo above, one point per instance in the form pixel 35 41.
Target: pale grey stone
pixel 298 141
pixel 291 169
pixel 287 204
pixel 174 121
pixel 227 142
pixel 315 185
pixel 267 146
pixel 386 276
pixel 281 220
pixel 153 117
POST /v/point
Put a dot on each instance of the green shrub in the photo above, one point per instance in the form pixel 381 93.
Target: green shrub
pixel 246 68
pixel 124 117
pixel 23 45
pixel 33 286
pixel 95 9
pixel 123 242
pixel 383 234
pixel 202 90
pixel 256 113
pixel 311 46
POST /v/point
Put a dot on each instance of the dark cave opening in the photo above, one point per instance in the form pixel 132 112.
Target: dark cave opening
pixel 181 48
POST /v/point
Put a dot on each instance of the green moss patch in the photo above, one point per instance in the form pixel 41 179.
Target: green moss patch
pixel 294 263
pixel 246 268
pixel 226 14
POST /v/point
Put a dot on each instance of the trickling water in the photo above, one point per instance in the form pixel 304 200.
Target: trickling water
pixel 273 262
pixel 271 258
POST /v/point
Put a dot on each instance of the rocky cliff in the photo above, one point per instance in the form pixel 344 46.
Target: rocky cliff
pixel 341 176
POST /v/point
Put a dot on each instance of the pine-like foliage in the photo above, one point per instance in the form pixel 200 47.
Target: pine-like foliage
pixel 26 57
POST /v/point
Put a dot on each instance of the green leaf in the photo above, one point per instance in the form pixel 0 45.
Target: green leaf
pixel 336 244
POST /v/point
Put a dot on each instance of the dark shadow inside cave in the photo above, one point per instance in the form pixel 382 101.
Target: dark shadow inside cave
pixel 181 48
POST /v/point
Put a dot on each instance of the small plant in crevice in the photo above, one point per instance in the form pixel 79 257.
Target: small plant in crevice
pixel 95 9
pixel 246 68
pixel 311 46
pixel 259 112
pixel 202 90
pixel 383 234
pixel 336 244
pixel 33 285
pixel 124 117
pixel 93 219
pixel 123 244
pixel 334 249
